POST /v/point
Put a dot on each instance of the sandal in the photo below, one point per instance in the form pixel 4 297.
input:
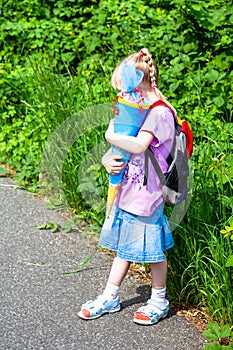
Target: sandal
pixel 151 313
pixel 94 309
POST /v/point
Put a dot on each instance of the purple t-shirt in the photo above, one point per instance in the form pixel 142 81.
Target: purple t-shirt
pixel 132 195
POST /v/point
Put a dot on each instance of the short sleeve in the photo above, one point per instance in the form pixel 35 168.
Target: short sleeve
pixel 160 122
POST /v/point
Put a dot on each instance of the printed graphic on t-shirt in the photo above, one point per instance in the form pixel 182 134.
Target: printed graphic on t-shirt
pixel 134 172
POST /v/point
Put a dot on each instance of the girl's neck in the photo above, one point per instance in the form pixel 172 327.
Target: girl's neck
pixel 148 92
pixel 150 96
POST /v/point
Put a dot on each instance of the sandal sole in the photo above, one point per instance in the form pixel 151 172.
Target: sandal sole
pixel 116 309
pixel 148 323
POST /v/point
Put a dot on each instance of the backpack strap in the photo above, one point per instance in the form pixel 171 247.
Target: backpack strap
pixel 161 103
pixel 150 154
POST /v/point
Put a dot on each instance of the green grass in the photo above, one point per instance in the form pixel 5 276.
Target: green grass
pixel 198 264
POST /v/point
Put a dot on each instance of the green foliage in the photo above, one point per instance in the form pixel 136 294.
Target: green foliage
pixel 56 60
pixel 83 264
pixel 191 40
pixel 214 333
pixel 228 232
pixel 53 226
pixel 197 271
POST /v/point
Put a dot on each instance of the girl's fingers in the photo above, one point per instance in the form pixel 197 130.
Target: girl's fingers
pixel 119 165
pixel 113 165
pixel 117 157
pixel 116 167
pixel 110 159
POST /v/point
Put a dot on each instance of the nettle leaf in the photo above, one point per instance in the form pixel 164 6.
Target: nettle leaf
pixel 219 101
pixel 213 331
pixel 174 85
pixel 178 67
pixel 227 177
pixel 209 335
pixel 225 331
pixel 229 262
pixel 212 75
pixel 231 19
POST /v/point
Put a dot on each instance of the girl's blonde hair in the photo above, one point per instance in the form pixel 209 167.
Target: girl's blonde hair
pixel 143 61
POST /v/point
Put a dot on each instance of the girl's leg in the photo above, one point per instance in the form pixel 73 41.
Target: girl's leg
pixel 159 274
pixel 157 306
pixel 159 279
pixel 118 271
pixel 108 301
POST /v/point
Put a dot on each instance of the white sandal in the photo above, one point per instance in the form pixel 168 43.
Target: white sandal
pixel 151 313
pixel 94 309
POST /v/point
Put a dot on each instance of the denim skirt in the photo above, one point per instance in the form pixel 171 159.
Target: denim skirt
pixel 137 238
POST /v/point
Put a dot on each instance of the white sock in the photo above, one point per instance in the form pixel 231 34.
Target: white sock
pixel 111 291
pixel 158 295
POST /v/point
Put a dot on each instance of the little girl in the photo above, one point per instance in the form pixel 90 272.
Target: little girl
pixel 137 228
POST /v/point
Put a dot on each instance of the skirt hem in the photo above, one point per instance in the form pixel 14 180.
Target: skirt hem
pixel 138 259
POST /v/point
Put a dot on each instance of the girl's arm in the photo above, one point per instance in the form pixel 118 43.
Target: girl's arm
pixel 133 144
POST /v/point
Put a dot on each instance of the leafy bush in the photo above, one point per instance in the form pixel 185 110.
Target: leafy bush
pixel 221 334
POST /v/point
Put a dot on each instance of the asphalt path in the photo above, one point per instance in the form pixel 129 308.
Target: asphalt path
pixel 39 304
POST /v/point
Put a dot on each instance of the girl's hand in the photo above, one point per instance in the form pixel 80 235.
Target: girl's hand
pixel 112 164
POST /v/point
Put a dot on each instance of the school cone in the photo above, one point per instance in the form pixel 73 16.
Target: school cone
pixel 112 192
pixel 128 121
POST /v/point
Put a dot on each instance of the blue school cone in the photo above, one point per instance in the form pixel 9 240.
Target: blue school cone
pixel 128 122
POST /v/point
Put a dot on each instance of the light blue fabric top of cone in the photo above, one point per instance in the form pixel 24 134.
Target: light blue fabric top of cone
pixel 130 76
